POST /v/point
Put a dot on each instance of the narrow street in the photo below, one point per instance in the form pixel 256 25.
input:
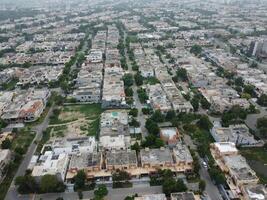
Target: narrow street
pixel 113 194
pixel 211 189
pixel 141 117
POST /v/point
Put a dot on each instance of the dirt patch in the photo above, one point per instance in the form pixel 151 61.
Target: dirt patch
pixel 70 116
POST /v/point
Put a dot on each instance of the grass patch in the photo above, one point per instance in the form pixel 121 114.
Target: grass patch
pixel 93 127
pixel 87 109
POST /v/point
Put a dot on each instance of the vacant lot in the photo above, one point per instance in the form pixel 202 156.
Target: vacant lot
pixel 76 120
pixel 257 159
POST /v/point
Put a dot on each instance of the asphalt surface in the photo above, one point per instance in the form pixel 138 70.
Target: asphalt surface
pixel 113 194
pixel 141 117
pixel 38 129
pixel 211 189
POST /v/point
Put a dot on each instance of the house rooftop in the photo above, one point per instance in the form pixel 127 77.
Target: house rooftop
pixel 238 167
pixel 121 158
pixel 156 156
pixel 225 147
pixel 182 153
pixel 84 160
pixel 183 196
pixel 152 197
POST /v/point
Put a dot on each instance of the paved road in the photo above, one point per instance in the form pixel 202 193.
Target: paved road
pixel 12 193
pixel 211 189
pixel 113 194
pixel 141 118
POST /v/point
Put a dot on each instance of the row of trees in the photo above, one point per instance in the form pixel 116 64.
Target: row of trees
pixel 48 183
pixel 169 183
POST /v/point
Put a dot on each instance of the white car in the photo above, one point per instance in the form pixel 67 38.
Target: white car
pixel 205 165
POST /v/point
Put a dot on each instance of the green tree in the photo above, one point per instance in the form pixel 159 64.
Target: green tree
pixel 142 95
pixel 217 175
pixel 139 79
pixel 239 81
pixel 152 126
pixel 26 184
pixel 128 80
pixel 245 96
pixel 195 103
pixel 181 74
pixel 158 116
pixel 235 115
pixel 50 183
pixel 128 92
pixel 249 89
pixel 196 49
pixel 262 122
pixel 120 175
pixel 134 123
pixel 152 141
pixel 169 186
pixel 101 191
pixel 204 123
pixel 3 124
pixel 145 111
pixel 136 147
pixel 262 100
pixel 133 112
pixel 79 180
pixel 170 115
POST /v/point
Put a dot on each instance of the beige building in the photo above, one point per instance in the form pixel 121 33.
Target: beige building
pixel 237 172
pixel 91 163
pixel 182 158
pixel 154 159
pixel 121 160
